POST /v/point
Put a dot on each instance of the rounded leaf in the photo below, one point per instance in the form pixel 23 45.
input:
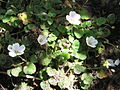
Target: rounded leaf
pixel 30 68
pixel 76 44
pixel 78 69
pixel 111 18
pixel 15 71
pixel 79 33
pixel 45 85
pixel 100 21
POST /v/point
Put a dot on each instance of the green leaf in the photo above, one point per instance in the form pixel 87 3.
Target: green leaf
pixel 79 33
pixel 52 37
pixel 10 12
pixel 6 19
pixel 52 81
pixel 102 32
pixel 84 86
pixel 84 14
pixel 76 44
pixel 86 24
pixel 65 55
pixel 15 71
pixel 31 26
pixel 49 21
pixel 51 14
pixel 80 55
pixel 71 38
pixel 62 29
pixel 45 59
pixel 87 78
pixel 51 72
pixel 100 21
pixel 45 32
pixel 12 19
pixel 33 59
pixel 44 26
pixel 42 74
pixel 45 85
pixel 61 85
pixel 78 69
pixel 111 18
pixel 30 68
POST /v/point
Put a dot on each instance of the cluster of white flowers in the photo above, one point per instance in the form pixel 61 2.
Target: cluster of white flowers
pixel 91 41
pixel 16 49
pixel 73 18
pixel 111 63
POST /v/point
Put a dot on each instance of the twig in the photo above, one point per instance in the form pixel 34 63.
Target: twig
pixel 68 70
pixel 2 87
pixel 85 2
pixel 17 64
pixel 3 72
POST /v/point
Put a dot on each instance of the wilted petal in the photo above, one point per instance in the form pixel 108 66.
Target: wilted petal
pixel 12 54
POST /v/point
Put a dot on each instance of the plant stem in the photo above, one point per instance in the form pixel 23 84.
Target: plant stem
pixel 22 59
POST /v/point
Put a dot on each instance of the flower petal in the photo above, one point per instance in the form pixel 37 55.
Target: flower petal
pixel 68 17
pixel 10 48
pixel 110 61
pixel 20 53
pixel 16 46
pixel 74 15
pixel 21 48
pixel 117 62
pixel 12 54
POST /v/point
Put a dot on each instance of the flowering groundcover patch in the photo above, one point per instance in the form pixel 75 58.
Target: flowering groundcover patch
pixel 54 45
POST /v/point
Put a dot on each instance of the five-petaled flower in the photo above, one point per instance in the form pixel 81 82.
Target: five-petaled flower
pixel 91 41
pixel 16 49
pixel 73 18
pixel 42 39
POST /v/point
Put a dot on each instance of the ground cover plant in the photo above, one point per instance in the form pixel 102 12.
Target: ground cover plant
pixel 56 45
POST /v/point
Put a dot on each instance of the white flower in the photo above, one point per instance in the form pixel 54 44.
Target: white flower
pixel 42 39
pixel 110 62
pixel 73 18
pixel 91 41
pixel 16 49
pixel 117 62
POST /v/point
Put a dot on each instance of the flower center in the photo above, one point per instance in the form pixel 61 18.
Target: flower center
pixel 16 51
pixel 40 40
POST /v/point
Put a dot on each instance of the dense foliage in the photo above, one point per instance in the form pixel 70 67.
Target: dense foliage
pixel 58 43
